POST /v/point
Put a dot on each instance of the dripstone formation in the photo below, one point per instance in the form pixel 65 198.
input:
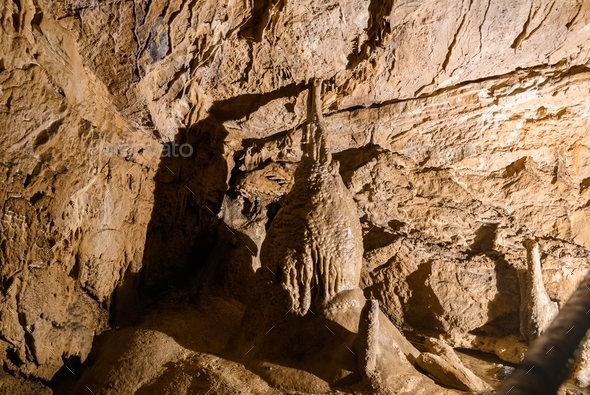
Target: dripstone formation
pixel 460 131
pixel 311 326
pixel 315 241
pixel 536 309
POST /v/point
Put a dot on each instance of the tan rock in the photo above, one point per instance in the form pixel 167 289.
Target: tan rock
pixel 509 348
pixel 368 336
pixel 445 373
pixel 10 385
pixel 466 376
pixel 581 371
pixel 460 131
pixel 536 309
pixel 314 242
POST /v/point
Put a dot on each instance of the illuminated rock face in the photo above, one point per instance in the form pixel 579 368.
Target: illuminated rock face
pixel 536 309
pixel 458 136
pixel 315 241
pixel 314 250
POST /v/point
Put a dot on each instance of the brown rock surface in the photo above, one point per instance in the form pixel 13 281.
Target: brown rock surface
pixel 536 309
pixel 368 334
pixel 313 255
pixel 444 372
pixel 449 364
pixel 460 129
pixel 10 385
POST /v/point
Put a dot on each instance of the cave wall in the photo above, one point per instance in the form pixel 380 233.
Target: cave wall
pixel 460 126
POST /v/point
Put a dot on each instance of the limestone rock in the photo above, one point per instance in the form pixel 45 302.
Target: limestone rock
pixel 461 131
pixel 453 364
pixel 536 309
pixel 367 344
pixel 10 385
pixel 444 372
pixel 509 348
pixel 175 349
pixel 314 242
pixel 581 371
pixel 317 285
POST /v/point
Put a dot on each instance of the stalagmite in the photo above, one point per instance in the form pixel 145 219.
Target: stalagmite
pixel 315 241
pixel 548 361
pixel 536 309
pixel 182 211
pixel 367 340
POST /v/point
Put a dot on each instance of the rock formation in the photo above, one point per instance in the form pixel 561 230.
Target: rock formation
pixel 549 360
pixel 536 309
pixel 444 364
pixel 310 271
pixel 367 342
pixel 314 244
pixel 147 148
pixel 311 261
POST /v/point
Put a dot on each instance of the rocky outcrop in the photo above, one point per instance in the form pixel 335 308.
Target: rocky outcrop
pixel 313 252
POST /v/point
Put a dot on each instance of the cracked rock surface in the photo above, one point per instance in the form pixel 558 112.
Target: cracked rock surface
pixel 147 146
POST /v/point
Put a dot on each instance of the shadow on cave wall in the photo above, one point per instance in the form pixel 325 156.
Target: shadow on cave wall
pixel 423 299
pixel 503 310
pixel 189 191
pixel 501 322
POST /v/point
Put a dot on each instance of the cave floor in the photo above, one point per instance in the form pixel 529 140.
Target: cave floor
pixel 184 347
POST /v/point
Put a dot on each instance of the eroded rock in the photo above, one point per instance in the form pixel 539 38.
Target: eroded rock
pixel 311 297
pixel 368 341
pixel 445 372
pixel 449 364
pixel 10 385
pixel 448 122
pixel 536 309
